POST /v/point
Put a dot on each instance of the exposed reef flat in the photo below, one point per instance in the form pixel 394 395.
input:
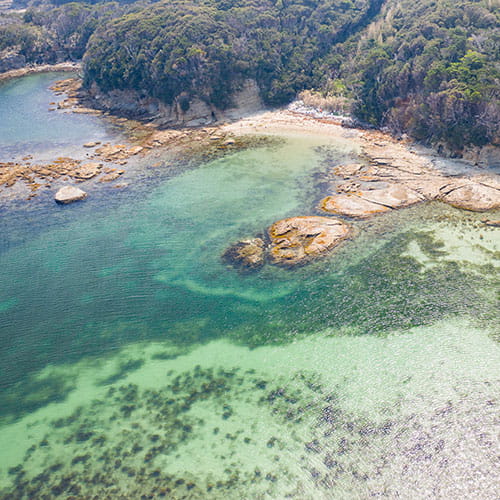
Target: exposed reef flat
pixel 394 177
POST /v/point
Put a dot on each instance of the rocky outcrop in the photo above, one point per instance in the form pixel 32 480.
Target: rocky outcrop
pixel 365 203
pixel 473 196
pixel 87 171
pixel 182 111
pixel 395 177
pixel 351 205
pixel 69 194
pixel 293 241
pixel 392 196
pixel 248 254
pixel 297 240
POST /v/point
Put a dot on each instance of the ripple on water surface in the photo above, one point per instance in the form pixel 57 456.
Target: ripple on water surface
pixel 28 127
pixel 135 362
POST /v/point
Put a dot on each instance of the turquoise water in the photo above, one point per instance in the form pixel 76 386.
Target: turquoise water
pixel 134 361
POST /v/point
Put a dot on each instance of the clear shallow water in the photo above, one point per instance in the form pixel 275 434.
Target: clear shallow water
pixel 28 127
pixel 135 362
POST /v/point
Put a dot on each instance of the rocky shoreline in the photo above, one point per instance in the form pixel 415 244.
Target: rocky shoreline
pixel 104 162
pixel 388 176
pixel 41 68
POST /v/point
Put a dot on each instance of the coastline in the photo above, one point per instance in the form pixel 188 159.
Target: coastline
pixel 42 68
pixel 388 173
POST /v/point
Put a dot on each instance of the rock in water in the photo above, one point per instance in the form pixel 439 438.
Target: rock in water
pixel 351 205
pixel 69 194
pixel 246 253
pixel 87 171
pixel 474 196
pixel 492 223
pixel 299 239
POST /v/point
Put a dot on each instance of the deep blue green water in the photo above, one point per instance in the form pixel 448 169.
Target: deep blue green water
pixel 135 362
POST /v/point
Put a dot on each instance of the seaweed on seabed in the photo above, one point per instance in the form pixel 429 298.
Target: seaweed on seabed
pixel 32 394
pixel 123 370
pixel 65 421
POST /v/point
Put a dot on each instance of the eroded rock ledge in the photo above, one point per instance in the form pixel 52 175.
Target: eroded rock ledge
pixel 292 241
pixel 395 177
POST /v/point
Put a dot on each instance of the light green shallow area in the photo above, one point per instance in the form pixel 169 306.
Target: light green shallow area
pixel 325 417
pixel 136 363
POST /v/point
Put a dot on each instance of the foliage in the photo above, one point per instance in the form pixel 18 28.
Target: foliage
pixel 52 34
pixel 427 68
pixel 180 49
pixel 430 69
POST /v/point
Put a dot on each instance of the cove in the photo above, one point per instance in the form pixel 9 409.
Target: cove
pixel 28 127
pixel 135 362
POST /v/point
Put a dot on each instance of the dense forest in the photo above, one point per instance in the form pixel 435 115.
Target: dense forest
pixel 429 68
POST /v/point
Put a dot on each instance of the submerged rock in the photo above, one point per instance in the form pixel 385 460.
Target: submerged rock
pixel 111 175
pixel 297 240
pixel 69 194
pixel 246 253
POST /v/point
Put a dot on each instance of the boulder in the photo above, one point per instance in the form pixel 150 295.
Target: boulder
pixel 393 196
pixel 69 194
pixel 297 240
pixel 246 253
pixel 351 205
pixel 473 196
